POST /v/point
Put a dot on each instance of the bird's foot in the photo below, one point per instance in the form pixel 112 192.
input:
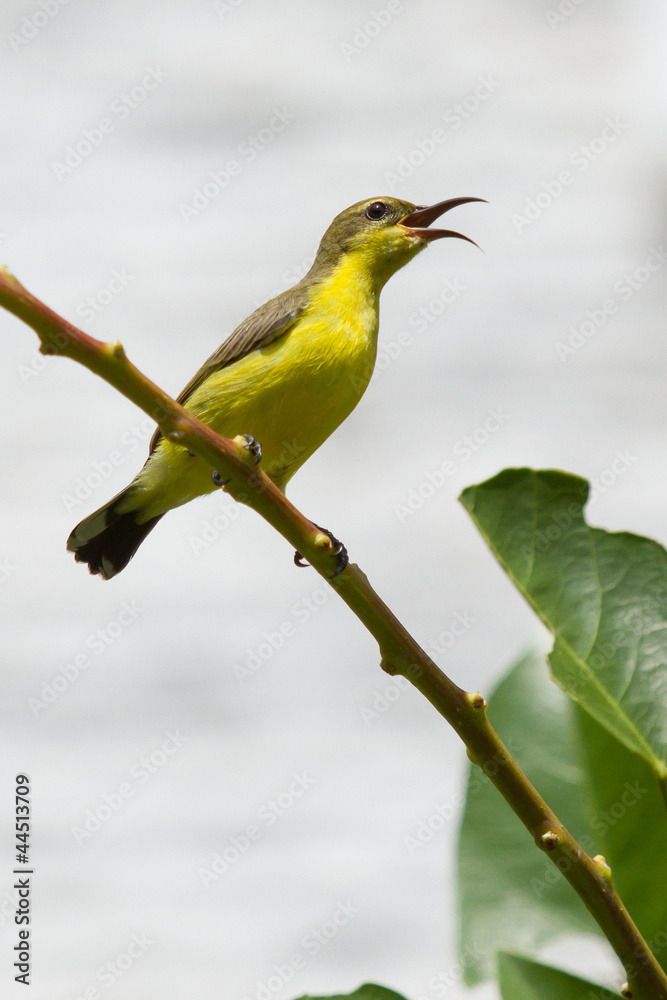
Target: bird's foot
pixel 218 480
pixel 331 542
pixel 252 446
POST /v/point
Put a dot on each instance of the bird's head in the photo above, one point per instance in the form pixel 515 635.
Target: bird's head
pixel 383 234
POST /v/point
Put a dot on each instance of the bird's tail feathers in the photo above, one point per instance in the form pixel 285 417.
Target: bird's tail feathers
pixel 108 538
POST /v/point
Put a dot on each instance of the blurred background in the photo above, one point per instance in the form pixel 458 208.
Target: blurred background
pixel 227 791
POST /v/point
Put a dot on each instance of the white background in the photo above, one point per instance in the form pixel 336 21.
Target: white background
pixel 363 100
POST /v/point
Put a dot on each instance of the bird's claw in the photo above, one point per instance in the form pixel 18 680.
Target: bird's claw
pixel 253 447
pixel 338 550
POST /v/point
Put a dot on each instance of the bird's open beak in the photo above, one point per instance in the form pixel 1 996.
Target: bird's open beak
pixel 415 224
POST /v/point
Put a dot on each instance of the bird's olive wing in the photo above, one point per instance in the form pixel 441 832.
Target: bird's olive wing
pixel 261 328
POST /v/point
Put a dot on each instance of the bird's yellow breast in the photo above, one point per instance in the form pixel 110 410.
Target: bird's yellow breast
pixel 290 395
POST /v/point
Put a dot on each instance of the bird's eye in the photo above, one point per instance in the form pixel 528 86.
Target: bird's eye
pixel 376 211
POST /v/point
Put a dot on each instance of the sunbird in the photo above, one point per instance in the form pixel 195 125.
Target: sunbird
pixel 284 379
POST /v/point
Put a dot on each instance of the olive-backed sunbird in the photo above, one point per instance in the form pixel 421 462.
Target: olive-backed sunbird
pixel 287 376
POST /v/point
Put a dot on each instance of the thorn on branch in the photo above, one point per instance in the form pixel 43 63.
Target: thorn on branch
pixel 116 350
pixel 177 434
pixel 550 840
pixel 60 340
pixel 388 667
pixel 601 863
pixel 476 700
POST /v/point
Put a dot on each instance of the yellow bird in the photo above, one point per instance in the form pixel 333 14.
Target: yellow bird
pixel 286 378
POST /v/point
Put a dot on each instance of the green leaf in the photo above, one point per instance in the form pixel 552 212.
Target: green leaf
pixel 628 825
pixel 602 595
pixel 510 893
pixel 522 979
pixel 369 991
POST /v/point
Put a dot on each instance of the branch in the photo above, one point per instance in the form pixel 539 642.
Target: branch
pixel 465 712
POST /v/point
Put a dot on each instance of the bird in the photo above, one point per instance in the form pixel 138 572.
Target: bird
pixel 283 380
